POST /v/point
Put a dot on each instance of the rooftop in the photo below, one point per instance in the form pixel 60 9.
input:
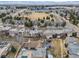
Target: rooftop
pixel 39 52
pixel 3 47
pixel 33 44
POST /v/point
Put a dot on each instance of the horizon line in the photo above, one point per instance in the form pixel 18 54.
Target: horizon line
pixel 35 1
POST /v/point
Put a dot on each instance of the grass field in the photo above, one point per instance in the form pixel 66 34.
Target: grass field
pixel 35 15
pixel 58 48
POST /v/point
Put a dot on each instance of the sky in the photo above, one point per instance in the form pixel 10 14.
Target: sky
pixel 41 0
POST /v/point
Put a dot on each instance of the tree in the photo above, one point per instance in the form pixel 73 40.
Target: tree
pixel 3 20
pixel 2 15
pixel 54 36
pixel 66 45
pixel 3 56
pixel 50 24
pixel 77 17
pixel 8 17
pixel 47 17
pixel 52 19
pixel 8 13
pixel 12 11
pixel 19 14
pixel 12 22
pixel 17 18
pixel 61 14
pixel 13 49
pixel 75 22
pixel 26 18
pixel 67 56
pixel 45 24
pixel 57 12
pixel 42 21
pixel 74 34
pixel 39 19
pixel 28 24
pixel 63 24
pixel 73 18
pixel 43 17
pixel 56 25
pixel 51 15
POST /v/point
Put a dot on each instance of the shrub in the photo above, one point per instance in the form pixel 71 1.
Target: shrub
pixel 13 49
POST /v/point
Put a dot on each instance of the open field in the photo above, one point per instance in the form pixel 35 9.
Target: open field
pixel 58 48
pixel 35 15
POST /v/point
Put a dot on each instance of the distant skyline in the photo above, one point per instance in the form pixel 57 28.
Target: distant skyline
pixel 38 2
pixel 42 0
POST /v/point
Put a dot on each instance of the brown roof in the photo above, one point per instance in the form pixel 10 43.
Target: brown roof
pixel 33 44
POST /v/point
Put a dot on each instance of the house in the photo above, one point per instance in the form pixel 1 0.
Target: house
pixel 32 49
pixel 3 28
pixel 32 44
pixel 13 31
pixel 4 48
pixel 39 53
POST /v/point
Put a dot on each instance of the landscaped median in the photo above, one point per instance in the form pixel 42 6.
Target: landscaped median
pixel 14 50
pixel 19 48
